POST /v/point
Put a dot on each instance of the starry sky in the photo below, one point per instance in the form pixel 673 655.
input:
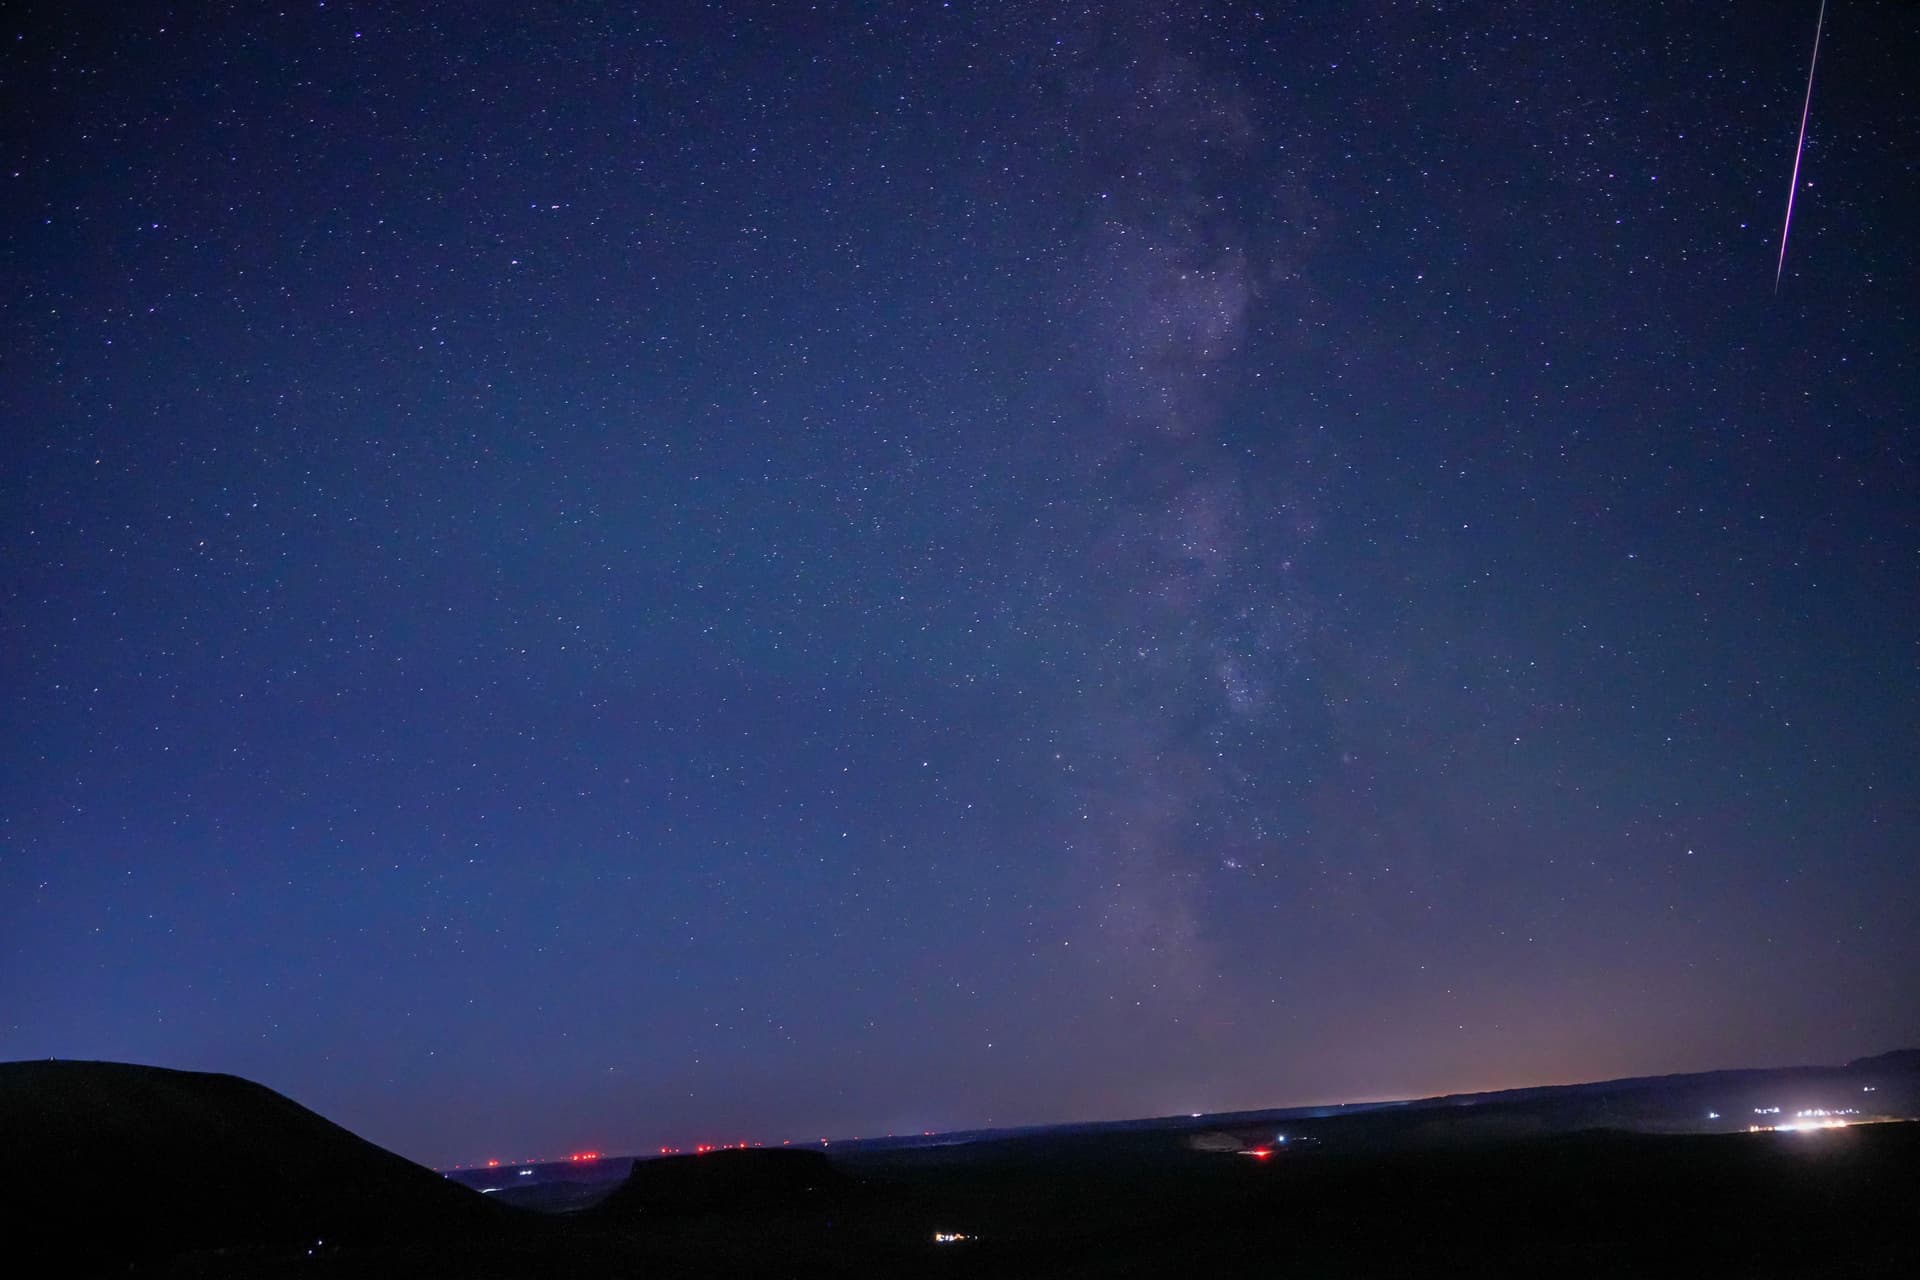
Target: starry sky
pixel 618 576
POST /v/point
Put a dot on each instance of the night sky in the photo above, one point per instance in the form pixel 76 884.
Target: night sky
pixel 597 577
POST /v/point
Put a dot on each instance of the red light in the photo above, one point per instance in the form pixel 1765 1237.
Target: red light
pixel 493 1164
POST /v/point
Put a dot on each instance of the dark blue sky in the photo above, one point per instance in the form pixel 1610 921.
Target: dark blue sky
pixel 615 578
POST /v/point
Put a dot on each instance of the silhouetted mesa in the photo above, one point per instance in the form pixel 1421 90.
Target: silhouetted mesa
pixel 726 1182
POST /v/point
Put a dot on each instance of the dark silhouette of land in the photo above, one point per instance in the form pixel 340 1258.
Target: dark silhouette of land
pixel 116 1169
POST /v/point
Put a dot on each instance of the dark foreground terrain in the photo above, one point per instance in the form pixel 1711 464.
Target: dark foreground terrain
pixel 129 1170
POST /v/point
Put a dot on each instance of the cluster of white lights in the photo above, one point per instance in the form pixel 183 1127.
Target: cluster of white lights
pixel 1796 1127
pixel 950 1237
pixel 1805 1120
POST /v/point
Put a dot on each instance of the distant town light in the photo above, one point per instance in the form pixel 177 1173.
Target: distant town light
pixel 1801 1126
pixel 950 1237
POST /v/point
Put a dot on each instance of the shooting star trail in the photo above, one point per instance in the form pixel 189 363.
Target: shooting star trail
pixel 1793 187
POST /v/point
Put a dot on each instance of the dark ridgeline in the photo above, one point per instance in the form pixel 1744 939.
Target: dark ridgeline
pixel 107 1165
pixel 1899 1062
pixel 114 1168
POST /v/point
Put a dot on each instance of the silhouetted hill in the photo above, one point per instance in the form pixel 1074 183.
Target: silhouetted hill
pixel 1899 1060
pixel 107 1164
pixel 725 1182
pixel 109 1169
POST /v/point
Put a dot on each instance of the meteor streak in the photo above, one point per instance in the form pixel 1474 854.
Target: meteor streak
pixel 1793 187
